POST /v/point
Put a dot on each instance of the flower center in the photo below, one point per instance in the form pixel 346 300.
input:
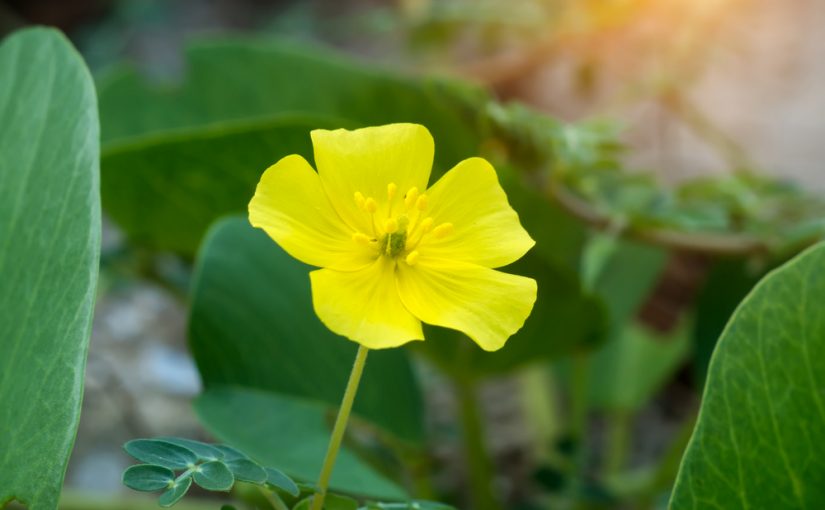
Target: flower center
pixel 399 228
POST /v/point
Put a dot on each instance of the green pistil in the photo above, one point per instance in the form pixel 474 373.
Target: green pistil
pixel 392 245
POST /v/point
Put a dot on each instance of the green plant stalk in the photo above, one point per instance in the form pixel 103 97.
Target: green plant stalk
pixel 478 461
pixel 619 437
pixel 579 407
pixel 340 427
pixel 273 499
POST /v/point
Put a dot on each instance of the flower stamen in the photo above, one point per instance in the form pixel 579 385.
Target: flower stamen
pixel 362 239
pixel 412 257
pixel 421 203
pixel 443 230
pixel 411 197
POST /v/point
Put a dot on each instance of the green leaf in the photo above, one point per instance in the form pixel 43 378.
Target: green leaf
pixel 252 324
pixel 178 157
pixel 230 453
pixel 148 477
pixel 290 433
pixel 278 480
pixel 204 451
pixel 165 192
pixel 49 250
pixel 759 441
pixel 632 367
pixel 408 505
pixel 247 470
pixel 304 504
pixel 339 502
pixel 156 451
pixel 214 476
pixel 174 494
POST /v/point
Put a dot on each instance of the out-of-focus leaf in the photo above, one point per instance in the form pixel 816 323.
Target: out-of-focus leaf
pixel 155 451
pixel 49 250
pixel 290 433
pixel 275 478
pixel 759 441
pixel 165 192
pixel 177 157
pixel 148 477
pixel 630 368
pixel 175 493
pixel 728 282
pixel 252 324
pixel 214 476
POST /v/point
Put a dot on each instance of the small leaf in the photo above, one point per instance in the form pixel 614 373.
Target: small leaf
pixel 304 504
pixel 278 480
pixel 205 452
pixel 247 470
pixel 214 476
pixel 174 494
pixel 409 505
pixel 148 477
pixel 230 453
pixel 338 502
pixel 163 453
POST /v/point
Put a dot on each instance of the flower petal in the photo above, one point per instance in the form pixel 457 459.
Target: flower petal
pixel 367 160
pixel 364 305
pixel 485 304
pixel 486 230
pixel 290 205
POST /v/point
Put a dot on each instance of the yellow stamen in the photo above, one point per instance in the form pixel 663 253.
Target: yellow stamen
pixel 360 238
pixel 443 230
pixel 391 226
pixel 426 224
pixel 391 189
pixel 421 203
pixel 359 199
pixel 411 197
pixel 370 205
pixel 412 257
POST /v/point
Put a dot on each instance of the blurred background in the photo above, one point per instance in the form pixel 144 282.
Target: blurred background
pixel 699 87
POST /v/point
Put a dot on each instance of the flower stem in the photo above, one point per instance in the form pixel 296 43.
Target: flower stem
pixel 339 427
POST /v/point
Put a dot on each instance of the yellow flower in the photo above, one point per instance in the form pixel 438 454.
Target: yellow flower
pixel 393 252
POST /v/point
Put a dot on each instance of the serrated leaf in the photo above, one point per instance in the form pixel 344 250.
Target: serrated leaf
pixel 759 441
pixel 160 452
pixel 279 480
pixel 49 251
pixel 214 476
pixel 174 494
pixel 247 470
pixel 204 451
pixel 148 477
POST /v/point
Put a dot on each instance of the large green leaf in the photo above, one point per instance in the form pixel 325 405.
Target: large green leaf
pixel 49 248
pixel 166 191
pixel 290 433
pixel 760 440
pixel 176 157
pixel 252 324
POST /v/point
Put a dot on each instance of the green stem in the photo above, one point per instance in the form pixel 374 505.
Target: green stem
pixel 340 427
pixel 273 499
pixel 478 461
pixel 619 431
pixel 579 406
